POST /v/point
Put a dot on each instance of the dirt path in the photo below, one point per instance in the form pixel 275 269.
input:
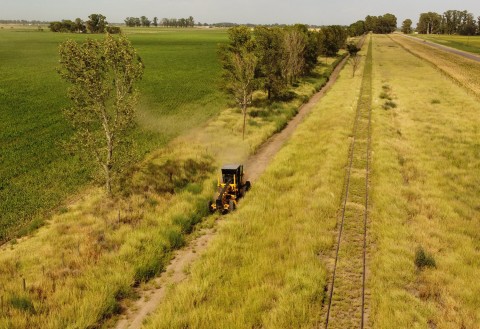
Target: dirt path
pixel 174 273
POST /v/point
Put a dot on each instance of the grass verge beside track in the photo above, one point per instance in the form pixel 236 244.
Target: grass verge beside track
pixel 425 194
pixel 267 266
pixel 463 71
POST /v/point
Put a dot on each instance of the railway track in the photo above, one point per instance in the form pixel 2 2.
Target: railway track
pixel 346 307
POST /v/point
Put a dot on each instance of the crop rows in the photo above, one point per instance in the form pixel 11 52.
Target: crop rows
pixel 347 295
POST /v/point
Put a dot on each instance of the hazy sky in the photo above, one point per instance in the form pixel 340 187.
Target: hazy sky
pixel 317 12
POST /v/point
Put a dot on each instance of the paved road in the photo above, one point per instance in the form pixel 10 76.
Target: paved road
pixel 445 48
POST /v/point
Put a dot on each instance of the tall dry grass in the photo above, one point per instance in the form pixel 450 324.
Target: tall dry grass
pixel 425 195
pixel 77 270
pixel 267 267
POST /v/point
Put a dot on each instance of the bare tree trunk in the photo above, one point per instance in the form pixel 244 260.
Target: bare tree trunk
pixel 108 161
pixel 244 110
pixel 108 165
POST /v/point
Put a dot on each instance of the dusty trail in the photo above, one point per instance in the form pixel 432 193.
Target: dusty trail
pixel 256 165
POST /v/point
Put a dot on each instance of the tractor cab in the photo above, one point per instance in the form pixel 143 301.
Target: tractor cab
pixel 232 174
pixel 231 187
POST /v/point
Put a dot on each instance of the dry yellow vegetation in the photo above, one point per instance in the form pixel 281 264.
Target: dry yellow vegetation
pixel 268 266
pixel 425 193
pixel 73 272
pixel 465 72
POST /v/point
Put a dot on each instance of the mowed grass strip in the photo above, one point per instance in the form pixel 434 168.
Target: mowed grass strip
pixel 178 92
pixel 267 266
pixel 346 307
pixel 82 267
pixel 464 71
pixel 425 195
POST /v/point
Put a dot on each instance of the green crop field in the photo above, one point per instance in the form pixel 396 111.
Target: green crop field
pixel 178 92
pixel 462 42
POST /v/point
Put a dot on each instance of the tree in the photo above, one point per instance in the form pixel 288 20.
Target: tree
pixel 388 23
pixel 371 23
pixel 269 51
pixel 130 21
pixel 429 23
pixel 407 26
pixel 239 64
pixel 155 21
pixel 332 39
pixel 102 74
pixel 357 28
pixel 381 24
pixel 80 26
pixel 96 23
pixel 354 57
pixel 293 63
pixel 312 48
pixel 468 25
pixel 145 21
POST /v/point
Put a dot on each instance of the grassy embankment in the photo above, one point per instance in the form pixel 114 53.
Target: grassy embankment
pixel 267 266
pixel 464 71
pixel 425 193
pixel 178 92
pixel 469 44
pixel 88 258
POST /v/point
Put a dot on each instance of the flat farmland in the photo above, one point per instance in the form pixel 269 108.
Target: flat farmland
pixel 178 92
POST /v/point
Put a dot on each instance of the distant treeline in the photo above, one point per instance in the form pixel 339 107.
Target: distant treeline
pixel 21 21
pixel 165 22
pixel 377 24
pixel 451 22
pixel 96 23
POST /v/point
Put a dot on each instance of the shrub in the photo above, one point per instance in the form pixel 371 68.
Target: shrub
pixel 389 105
pixel 23 304
pixel 435 101
pixel 422 259
pixel 113 30
pixel 384 95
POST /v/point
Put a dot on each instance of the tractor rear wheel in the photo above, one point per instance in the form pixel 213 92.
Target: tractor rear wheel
pixel 248 185
pixel 210 208
pixel 231 206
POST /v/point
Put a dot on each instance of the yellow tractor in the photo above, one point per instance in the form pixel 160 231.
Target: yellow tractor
pixel 230 189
